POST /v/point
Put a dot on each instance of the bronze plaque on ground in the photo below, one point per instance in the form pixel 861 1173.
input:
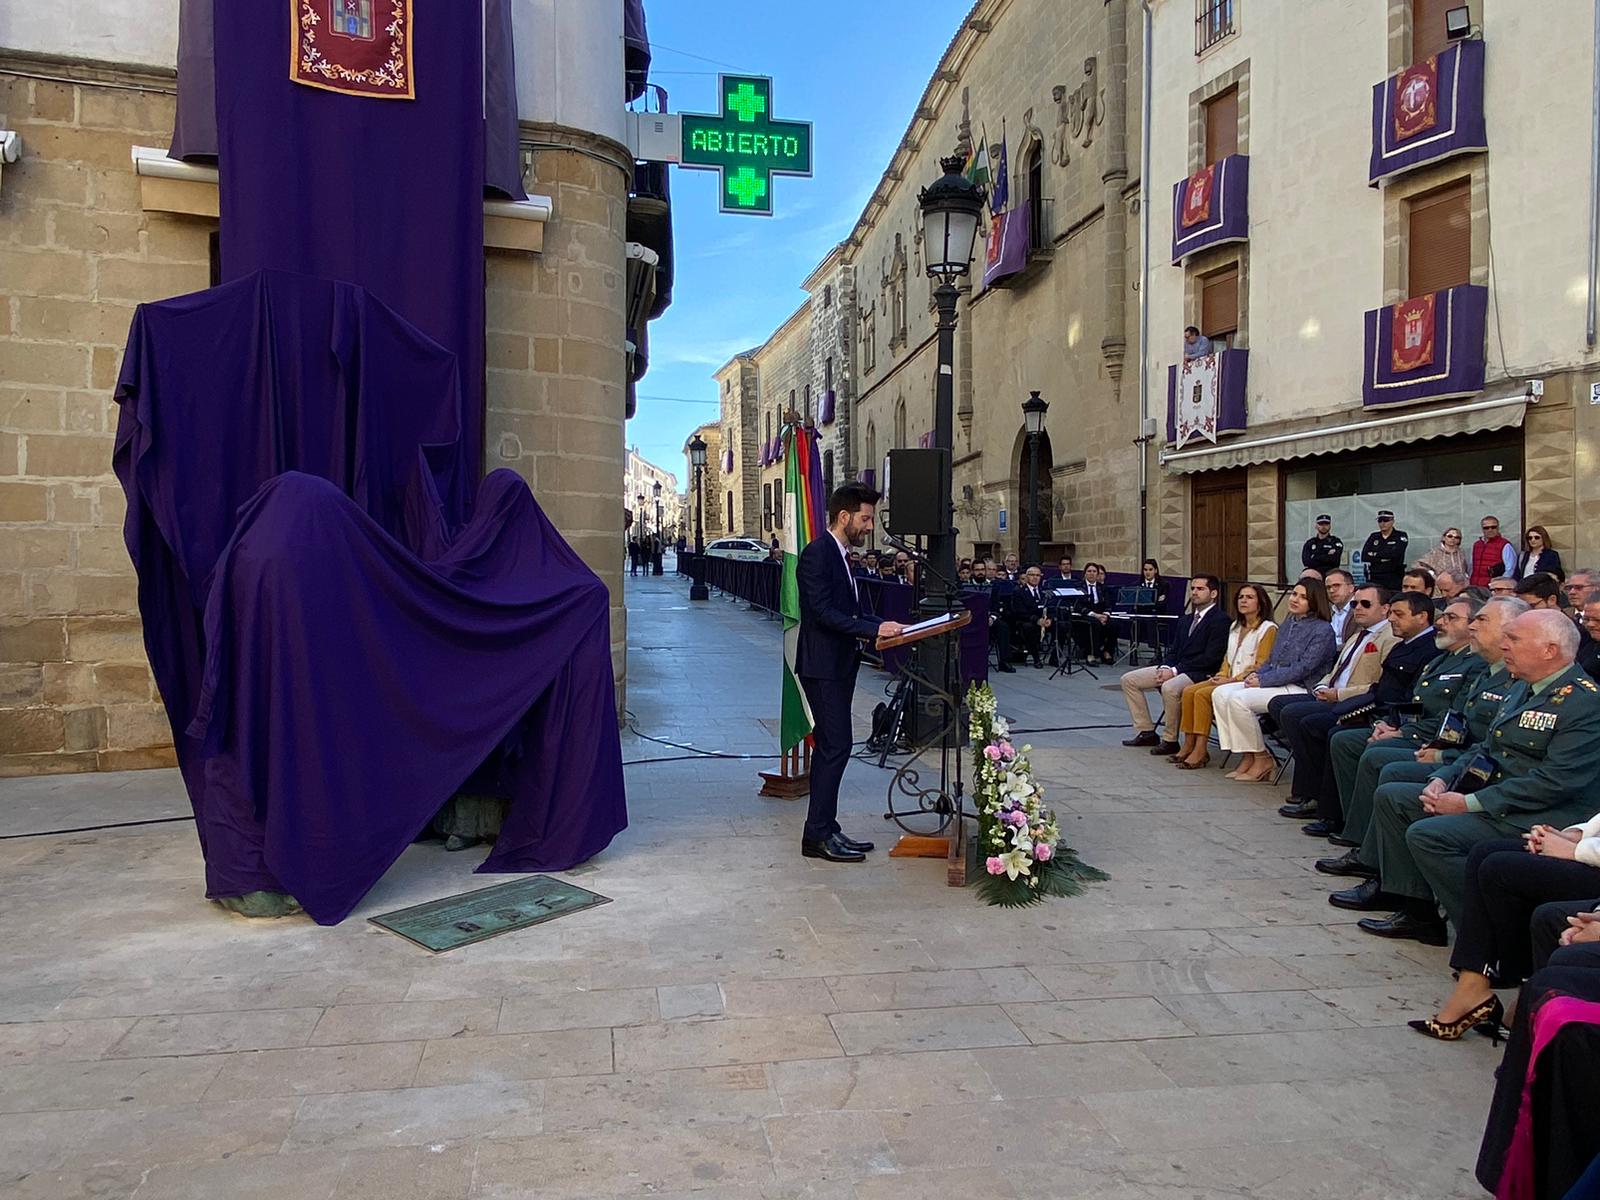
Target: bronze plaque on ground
pixel 441 925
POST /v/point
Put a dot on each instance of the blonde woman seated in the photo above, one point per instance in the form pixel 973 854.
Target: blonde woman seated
pixel 1250 641
pixel 1303 651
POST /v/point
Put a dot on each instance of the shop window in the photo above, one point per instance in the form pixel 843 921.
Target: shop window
pixel 1219 306
pixel 1222 125
pixel 1439 239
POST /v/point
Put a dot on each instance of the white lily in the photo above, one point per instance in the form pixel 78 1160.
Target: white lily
pixel 1017 863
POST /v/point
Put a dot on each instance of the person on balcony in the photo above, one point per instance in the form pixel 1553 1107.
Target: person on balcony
pixel 1195 343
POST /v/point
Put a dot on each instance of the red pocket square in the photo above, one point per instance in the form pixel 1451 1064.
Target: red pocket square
pixel 1370 649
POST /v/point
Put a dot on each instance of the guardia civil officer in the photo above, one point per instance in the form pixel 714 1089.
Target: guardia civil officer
pixel 1323 551
pixel 1385 552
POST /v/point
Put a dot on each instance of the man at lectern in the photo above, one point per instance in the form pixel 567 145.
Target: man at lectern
pixel 826 660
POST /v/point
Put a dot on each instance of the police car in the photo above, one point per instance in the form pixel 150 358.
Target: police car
pixel 742 549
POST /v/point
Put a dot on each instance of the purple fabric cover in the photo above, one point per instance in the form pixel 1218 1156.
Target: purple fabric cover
pixel 635 48
pixel 829 401
pixel 336 651
pixel 1010 254
pixel 1461 128
pixel 894 602
pixel 1459 361
pixel 1230 211
pixel 1234 376
pixel 194 129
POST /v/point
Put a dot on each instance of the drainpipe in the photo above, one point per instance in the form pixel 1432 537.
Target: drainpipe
pixel 1594 186
pixel 1144 275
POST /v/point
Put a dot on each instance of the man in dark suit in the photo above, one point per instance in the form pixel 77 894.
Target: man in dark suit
pixel 1026 612
pixel 1589 627
pixel 831 626
pixel 1198 644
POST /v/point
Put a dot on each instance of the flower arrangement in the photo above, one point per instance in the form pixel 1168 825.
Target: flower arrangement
pixel 1018 837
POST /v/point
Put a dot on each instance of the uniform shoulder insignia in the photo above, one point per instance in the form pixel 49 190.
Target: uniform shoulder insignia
pixel 1587 685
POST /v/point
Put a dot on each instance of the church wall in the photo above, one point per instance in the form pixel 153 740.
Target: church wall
pixel 77 253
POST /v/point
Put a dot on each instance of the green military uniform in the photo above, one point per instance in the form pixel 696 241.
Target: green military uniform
pixel 1545 742
pixel 1357 761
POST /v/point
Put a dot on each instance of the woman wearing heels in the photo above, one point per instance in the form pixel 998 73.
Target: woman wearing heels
pixel 1250 641
pixel 1304 650
pixel 1506 881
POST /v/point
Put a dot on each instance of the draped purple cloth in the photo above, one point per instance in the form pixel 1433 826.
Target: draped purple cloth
pixel 337 651
pixel 383 193
pixel 194 127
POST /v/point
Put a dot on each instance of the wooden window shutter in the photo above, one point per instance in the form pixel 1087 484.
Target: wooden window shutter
pixel 1427 27
pixel 1439 244
pixel 1219 303
pixel 1222 125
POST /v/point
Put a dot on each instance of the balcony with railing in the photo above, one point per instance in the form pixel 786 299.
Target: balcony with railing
pixel 1428 112
pixel 1211 207
pixel 1213 22
pixel 1426 348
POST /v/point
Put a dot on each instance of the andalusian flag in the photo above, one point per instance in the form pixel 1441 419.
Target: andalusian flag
pixel 977 166
pixel 804 518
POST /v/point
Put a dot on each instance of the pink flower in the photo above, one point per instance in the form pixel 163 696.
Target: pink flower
pixel 1043 851
pixel 997 866
pixel 1008 750
pixel 992 753
pixel 1017 817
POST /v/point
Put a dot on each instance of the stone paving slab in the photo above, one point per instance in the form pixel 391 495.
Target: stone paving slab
pixel 740 1023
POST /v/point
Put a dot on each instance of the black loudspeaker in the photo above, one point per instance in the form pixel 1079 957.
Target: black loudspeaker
pixel 919 489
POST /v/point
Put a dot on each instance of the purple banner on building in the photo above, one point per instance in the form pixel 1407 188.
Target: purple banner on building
pixel 1456 366
pixel 1428 112
pixel 1213 401
pixel 727 462
pixel 1006 249
pixel 328 184
pixel 1211 207
pixel 828 402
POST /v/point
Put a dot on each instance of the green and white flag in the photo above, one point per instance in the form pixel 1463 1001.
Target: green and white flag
pixel 802 521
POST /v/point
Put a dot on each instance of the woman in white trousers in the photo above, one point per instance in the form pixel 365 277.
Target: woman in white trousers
pixel 1303 651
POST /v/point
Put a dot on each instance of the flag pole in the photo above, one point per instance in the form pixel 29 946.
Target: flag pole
pixel 792 779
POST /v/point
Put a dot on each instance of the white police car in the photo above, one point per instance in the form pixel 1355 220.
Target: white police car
pixel 743 549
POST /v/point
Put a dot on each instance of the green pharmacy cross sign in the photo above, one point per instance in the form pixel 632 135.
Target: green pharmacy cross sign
pixel 746 144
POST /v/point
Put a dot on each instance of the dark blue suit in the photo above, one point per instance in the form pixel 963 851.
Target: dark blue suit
pixel 826 659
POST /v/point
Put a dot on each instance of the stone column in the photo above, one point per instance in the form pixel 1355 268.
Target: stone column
pixel 1114 179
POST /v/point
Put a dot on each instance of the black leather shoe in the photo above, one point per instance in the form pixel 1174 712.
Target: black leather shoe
pixel 1298 810
pixel 1147 738
pixel 1346 864
pixel 1339 839
pixel 831 849
pixel 851 843
pixel 1164 748
pixel 1319 829
pixel 1366 896
pixel 1428 931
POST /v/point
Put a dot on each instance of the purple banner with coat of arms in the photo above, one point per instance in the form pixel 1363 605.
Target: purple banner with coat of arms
pixel 1206 396
pixel 1211 207
pixel 327 183
pixel 1449 356
pixel 1430 111
pixel 1006 248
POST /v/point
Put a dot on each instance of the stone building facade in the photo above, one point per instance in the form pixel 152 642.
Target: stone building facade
pixel 1327 254
pixel 639 478
pixel 738 473
pixel 712 521
pixel 1059 85
pixel 84 238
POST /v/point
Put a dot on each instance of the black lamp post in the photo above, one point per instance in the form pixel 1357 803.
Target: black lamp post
pixel 1033 410
pixel 951 208
pixel 697 572
pixel 655 490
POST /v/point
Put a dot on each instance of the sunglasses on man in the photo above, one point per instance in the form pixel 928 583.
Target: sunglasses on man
pixel 1366 603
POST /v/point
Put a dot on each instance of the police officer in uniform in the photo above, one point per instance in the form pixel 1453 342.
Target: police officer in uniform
pixel 1323 552
pixel 1385 553
pixel 1540 765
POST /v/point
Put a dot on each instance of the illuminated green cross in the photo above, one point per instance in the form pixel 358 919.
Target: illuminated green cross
pixel 745 144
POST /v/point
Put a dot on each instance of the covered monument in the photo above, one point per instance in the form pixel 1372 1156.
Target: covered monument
pixel 347 627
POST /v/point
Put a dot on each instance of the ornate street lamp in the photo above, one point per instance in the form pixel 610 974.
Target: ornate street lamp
pixel 697 574
pixel 1033 410
pixel 661 546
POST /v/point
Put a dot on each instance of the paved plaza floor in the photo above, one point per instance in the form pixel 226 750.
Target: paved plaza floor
pixel 741 1023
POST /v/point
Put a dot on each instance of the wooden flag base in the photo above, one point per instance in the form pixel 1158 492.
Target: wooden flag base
pixel 793 777
pixel 913 845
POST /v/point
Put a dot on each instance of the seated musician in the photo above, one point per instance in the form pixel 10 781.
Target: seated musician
pixel 1096 637
pixel 1026 613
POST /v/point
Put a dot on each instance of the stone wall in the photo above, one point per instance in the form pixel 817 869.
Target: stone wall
pixel 77 253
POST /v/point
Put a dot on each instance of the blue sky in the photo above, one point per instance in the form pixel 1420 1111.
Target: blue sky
pixel 856 70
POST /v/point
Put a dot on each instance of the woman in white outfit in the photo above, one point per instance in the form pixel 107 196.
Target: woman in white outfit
pixel 1303 651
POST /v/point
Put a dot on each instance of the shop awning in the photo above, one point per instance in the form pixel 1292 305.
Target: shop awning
pixel 1477 416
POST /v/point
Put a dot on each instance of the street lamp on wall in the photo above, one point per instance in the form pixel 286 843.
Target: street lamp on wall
pixel 697 574
pixel 1033 411
pixel 661 546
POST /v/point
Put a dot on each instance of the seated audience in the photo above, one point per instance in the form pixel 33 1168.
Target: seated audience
pixel 1502 585
pixel 1589 644
pixel 1538 766
pixel 1303 651
pixel 1013 569
pixel 1506 880
pixel 1195 654
pixel 1250 640
pixel 1541 591
pixel 1450 584
pixel 1417 579
pixel 1575 591
pixel 1026 615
